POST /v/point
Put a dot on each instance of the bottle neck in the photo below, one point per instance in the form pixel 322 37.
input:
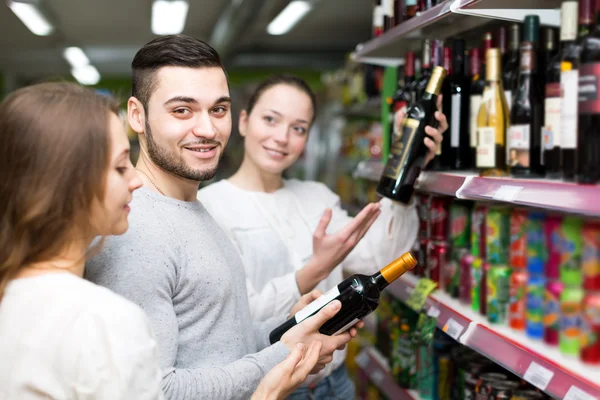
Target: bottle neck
pixel 379 281
pixel 393 271
pixel 528 58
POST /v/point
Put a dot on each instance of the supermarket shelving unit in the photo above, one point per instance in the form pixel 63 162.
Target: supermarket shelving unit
pixel 532 360
pixel 545 194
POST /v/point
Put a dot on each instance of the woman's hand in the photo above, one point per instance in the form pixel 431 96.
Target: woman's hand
pixel 330 250
pixel 289 374
pixel 435 134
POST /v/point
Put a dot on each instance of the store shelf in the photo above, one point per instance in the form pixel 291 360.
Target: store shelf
pixel 547 194
pixel 542 365
pixel 375 366
pixel 452 18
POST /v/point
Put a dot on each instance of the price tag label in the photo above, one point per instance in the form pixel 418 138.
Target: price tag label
pixel 453 329
pixel 575 393
pixel 507 192
pixel 377 377
pixel 362 360
pixel 433 312
pixel 418 297
pixel 538 376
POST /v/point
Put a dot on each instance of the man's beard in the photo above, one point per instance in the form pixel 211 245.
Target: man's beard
pixel 174 163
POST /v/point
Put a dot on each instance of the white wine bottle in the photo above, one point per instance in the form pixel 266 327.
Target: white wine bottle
pixel 359 295
pixel 492 120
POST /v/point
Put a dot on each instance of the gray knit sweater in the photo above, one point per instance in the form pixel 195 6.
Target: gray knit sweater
pixel 177 264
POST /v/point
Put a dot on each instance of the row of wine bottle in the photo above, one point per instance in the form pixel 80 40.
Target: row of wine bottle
pixel 389 13
pixel 534 111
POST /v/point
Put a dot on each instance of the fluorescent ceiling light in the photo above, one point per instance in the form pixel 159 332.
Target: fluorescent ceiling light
pixel 86 75
pixel 76 57
pixel 289 17
pixel 168 17
pixel 33 19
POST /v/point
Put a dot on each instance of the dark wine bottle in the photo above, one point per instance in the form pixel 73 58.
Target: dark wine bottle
pixel 569 83
pixel 551 133
pixel 445 159
pixel 398 12
pixel 510 65
pixel 588 137
pixel 408 152
pixel 426 69
pixel 403 97
pixel 388 14
pixel 523 153
pixel 460 147
pixel 359 295
pixel 476 95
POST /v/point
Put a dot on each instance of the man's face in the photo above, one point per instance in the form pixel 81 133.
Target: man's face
pixel 188 121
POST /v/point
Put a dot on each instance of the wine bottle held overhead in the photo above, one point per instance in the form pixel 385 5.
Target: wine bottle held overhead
pixel 408 152
pixel 359 295
pixel 569 84
pixel 588 137
pixel 551 132
pixel 523 153
pixel 510 67
pixel 476 95
pixel 492 120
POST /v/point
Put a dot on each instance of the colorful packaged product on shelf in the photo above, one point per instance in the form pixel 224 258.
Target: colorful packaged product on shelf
pixel 590 337
pixel 425 371
pixel 590 261
pixel 536 243
pixel 570 321
pixel 460 225
pixel 518 300
pixel 479 231
pixel 476 283
pixel 498 284
pixel 534 312
pixel 518 240
pixel 438 256
pixel 569 243
pixel 438 218
pixel 451 274
pixel 403 359
pixel 552 227
pixel 466 264
pixel 552 295
pixel 498 235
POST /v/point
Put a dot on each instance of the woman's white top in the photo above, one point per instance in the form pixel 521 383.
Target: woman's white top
pixel 62 337
pixel 273 233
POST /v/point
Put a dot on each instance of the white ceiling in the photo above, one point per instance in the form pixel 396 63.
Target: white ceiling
pixel 111 31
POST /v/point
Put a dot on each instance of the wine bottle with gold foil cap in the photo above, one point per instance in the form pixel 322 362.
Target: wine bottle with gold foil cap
pixel 359 295
pixel 408 150
pixel 492 120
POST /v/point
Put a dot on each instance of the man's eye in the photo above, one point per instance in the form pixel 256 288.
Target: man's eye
pixel 181 111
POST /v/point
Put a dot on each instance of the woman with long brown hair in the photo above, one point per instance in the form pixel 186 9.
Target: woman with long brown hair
pixel 66 178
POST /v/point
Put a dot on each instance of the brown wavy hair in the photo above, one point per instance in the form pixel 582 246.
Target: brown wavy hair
pixel 54 154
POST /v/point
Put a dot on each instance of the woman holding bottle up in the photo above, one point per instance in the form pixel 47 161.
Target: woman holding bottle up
pixel 289 232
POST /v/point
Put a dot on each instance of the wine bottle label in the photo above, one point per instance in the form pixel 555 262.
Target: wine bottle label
pixel 486 147
pixel 551 129
pixel 347 326
pixel 475 104
pixel 589 103
pixel 455 120
pixel 508 95
pixel 517 149
pixel 569 83
pixel 317 305
pixel 400 142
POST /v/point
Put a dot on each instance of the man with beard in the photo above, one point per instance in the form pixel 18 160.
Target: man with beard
pixel 174 261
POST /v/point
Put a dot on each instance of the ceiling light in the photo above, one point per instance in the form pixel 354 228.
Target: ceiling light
pixel 289 17
pixel 86 75
pixel 76 57
pixel 32 17
pixel 168 16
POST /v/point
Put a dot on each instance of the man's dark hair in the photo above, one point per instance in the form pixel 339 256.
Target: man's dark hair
pixel 168 51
